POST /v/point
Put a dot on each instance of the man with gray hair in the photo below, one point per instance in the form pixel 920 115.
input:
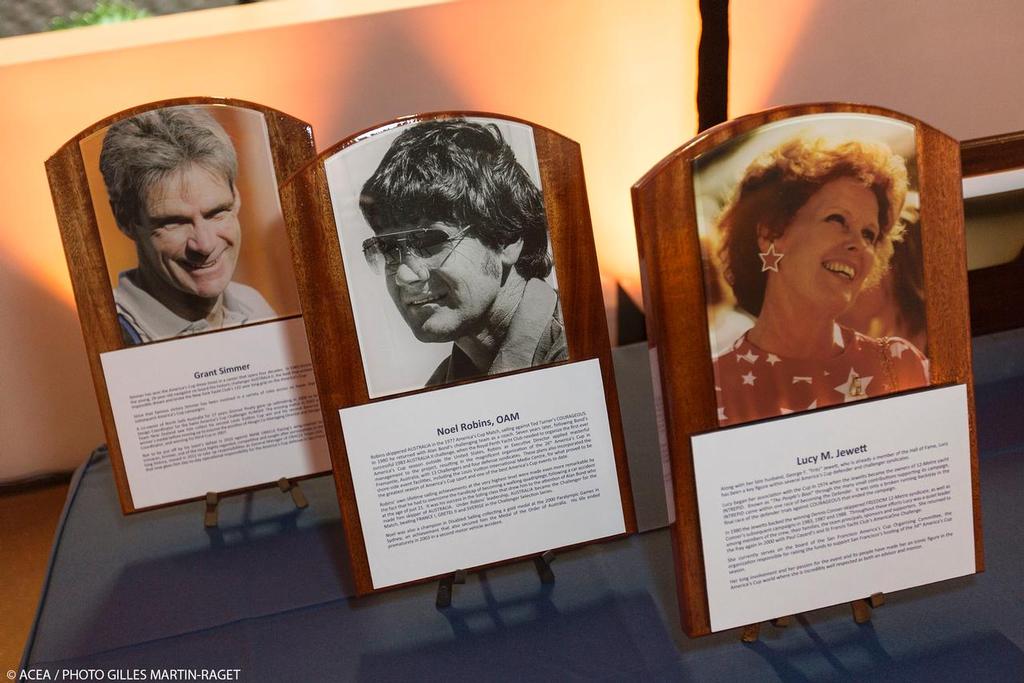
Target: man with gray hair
pixel 170 175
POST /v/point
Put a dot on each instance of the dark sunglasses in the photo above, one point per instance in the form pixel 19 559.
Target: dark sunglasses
pixel 427 244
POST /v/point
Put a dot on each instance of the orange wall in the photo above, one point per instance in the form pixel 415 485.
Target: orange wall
pixel 956 65
pixel 615 75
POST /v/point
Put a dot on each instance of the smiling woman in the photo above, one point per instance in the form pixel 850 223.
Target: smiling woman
pixel 809 227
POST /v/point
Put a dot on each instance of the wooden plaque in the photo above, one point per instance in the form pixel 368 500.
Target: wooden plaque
pixel 96 251
pixel 329 296
pixel 678 295
pixel 996 290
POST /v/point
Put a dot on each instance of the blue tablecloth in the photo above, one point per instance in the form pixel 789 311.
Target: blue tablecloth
pixel 266 593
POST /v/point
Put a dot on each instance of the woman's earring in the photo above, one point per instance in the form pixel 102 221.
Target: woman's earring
pixel 770 259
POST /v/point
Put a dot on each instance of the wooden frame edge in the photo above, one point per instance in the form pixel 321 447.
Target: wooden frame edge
pixel 332 312
pixel 672 177
pixel 76 219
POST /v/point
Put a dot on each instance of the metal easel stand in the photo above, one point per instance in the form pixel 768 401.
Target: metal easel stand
pixel 211 516
pixel 861 610
pixel 446 586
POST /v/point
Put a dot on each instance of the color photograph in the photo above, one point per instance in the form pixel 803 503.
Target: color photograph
pixel 177 191
pixel 813 275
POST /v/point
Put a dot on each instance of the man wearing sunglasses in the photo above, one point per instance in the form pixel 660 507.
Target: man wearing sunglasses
pixel 170 176
pixel 461 241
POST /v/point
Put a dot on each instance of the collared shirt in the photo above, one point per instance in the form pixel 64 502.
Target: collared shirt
pixel 144 319
pixel 536 336
pixel 751 383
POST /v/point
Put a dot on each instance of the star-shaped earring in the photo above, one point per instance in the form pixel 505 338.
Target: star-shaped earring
pixel 770 259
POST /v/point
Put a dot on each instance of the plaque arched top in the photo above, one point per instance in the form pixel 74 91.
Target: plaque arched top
pixel 291 139
pixel 411 119
pixel 724 132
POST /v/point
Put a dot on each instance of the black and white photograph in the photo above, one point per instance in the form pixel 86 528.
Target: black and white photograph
pixel 177 191
pixel 448 262
pixel 813 270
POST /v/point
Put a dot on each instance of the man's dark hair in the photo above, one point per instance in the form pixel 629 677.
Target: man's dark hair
pixel 140 151
pixel 463 174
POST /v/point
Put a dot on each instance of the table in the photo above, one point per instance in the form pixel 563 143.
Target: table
pixel 266 593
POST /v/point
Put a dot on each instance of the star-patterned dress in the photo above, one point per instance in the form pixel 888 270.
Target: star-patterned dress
pixel 751 383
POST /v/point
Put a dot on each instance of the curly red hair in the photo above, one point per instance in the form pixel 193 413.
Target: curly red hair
pixel 777 184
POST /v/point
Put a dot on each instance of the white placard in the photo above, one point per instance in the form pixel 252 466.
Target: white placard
pixel 827 507
pixel 483 472
pixel 216 412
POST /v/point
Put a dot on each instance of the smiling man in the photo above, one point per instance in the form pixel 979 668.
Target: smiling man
pixel 170 176
pixel 462 243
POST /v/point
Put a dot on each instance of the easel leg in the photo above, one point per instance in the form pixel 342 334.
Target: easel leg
pixel 862 608
pixel 210 518
pixel 444 593
pixel 543 565
pixel 297 496
pixel 445 588
pixel 751 633
pixel 861 611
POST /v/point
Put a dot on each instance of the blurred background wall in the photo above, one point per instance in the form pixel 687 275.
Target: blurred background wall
pixel 616 76
pixel 954 65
